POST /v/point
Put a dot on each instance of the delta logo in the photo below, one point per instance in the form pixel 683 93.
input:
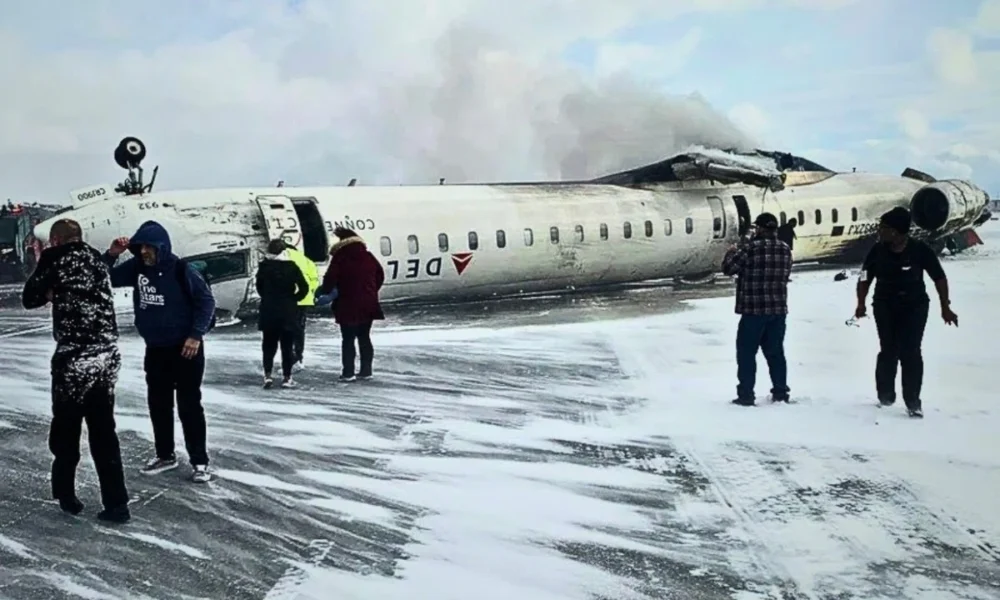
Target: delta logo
pixel 461 260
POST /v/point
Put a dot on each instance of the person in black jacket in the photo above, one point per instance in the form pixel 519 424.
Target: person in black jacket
pixel 85 366
pixel 898 263
pixel 281 286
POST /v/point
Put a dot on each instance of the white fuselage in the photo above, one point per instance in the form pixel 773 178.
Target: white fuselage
pixel 469 241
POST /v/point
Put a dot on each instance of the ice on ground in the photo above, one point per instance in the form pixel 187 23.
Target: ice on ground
pixel 592 459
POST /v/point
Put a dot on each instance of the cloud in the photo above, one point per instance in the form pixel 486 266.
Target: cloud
pixel 950 52
pixel 317 91
pixel 913 124
pixel 987 23
pixel 624 58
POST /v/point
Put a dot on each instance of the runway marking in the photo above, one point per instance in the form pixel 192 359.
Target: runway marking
pixel 10 334
pixel 286 586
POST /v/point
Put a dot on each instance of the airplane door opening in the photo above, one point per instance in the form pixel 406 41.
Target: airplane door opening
pixel 280 219
pixel 743 211
pixel 718 218
pixel 315 242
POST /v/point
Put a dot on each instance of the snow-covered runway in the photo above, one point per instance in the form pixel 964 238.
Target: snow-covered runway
pixel 576 457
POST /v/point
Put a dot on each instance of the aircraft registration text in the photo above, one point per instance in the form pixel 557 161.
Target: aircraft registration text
pixel 862 229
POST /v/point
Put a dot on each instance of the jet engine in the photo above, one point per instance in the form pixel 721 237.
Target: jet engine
pixel 947 204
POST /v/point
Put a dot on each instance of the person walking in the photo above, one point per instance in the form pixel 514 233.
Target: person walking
pixel 281 286
pixel 174 309
pixel 311 275
pixel 786 233
pixel 357 276
pixel 901 305
pixel 85 367
pixel 763 265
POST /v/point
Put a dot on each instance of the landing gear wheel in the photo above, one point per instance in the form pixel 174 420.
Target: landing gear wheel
pixel 130 153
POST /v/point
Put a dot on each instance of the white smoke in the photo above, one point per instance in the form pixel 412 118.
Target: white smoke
pixel 481 113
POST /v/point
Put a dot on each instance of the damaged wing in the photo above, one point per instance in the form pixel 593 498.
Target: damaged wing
pixel 760 169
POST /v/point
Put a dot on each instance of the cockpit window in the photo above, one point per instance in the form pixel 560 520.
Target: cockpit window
pixel 220 266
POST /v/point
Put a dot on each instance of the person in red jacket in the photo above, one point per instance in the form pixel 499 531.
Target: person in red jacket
pixel 357 276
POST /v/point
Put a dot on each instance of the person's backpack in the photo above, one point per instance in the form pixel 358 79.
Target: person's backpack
pixel 181 272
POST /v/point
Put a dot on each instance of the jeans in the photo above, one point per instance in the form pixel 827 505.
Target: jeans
pixel 767 333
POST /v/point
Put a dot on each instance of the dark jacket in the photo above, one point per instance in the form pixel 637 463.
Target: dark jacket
pixel 281 286
pixel 83 318
pixel 165 314
pixel 786 233
pixel 358 276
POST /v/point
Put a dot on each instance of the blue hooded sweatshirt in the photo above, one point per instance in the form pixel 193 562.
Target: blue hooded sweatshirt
pixel 165 314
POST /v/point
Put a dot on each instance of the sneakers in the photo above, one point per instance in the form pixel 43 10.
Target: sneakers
pixel 268 382
pixel 201 474
pixel 288 383
pixel 744 402
pixel 915 413
pixel 298 366
pixel 159 465
pixel 363 376
pixel 347 378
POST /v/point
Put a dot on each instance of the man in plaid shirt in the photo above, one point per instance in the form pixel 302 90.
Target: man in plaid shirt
pixel 763 264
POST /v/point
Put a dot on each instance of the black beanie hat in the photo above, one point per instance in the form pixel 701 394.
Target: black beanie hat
pixel 898 219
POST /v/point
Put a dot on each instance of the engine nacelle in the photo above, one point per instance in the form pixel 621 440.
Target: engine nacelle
pixel 949 203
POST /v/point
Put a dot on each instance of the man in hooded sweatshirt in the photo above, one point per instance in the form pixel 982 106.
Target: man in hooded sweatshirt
pixel 174 309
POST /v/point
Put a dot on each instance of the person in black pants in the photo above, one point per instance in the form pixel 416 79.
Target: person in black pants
pixel 900 306
pixel 357 276
pixel 281 286
pixel 85 366
pixel 174 309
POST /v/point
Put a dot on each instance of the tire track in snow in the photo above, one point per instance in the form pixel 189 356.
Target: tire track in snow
pixel 828 523
pixel 642 357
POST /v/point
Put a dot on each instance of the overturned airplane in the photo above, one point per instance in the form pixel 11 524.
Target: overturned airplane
pixel 671 219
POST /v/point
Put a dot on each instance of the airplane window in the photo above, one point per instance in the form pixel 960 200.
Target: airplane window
pixel 442 242
pixel 501 239
pixel 579 233
pixel 529 237
pixel 783 217
pixel 668 227
pixel 689 225
pixel 649 228
pixel 411 243
pixel 802 218
pixel 473 240
pixel 819 216
pixel 627 230
pixel 717 224
pixel 385 244
pixel 220 266
pixel 554 235
pixel 834 215
pixel 604 231
pixel 854 214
